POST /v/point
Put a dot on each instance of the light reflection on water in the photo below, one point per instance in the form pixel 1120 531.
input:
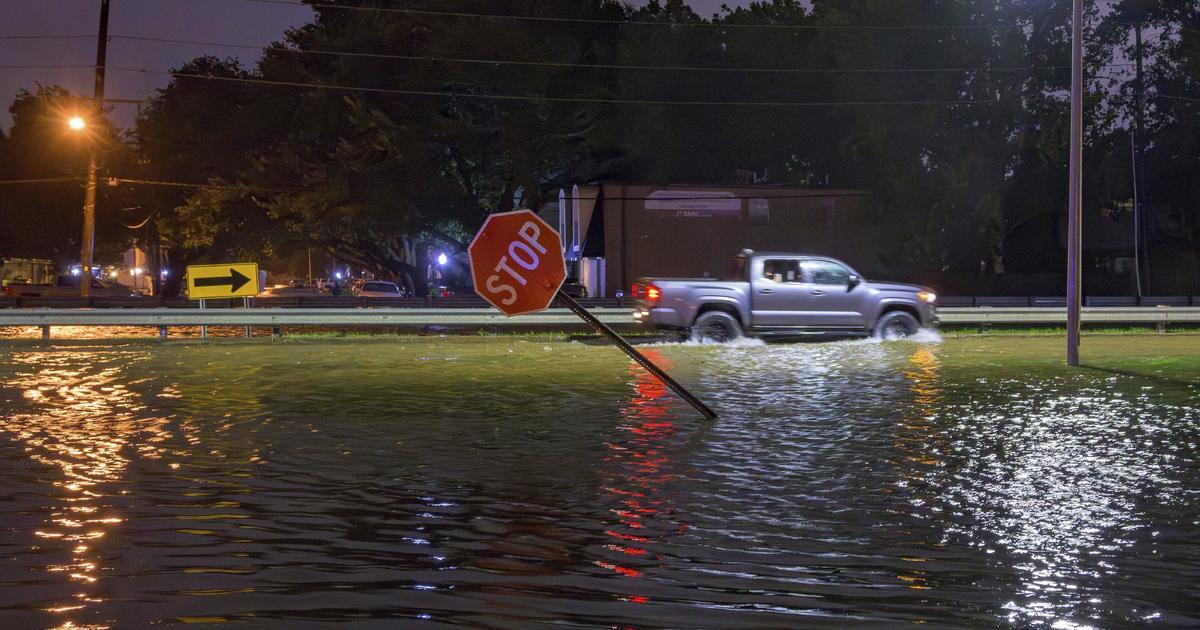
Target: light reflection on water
pixel 505 482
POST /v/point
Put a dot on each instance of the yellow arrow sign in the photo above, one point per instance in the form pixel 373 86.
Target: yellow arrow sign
pixel 207 282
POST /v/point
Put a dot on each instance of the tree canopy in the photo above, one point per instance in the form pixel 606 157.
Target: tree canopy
pixel 372 133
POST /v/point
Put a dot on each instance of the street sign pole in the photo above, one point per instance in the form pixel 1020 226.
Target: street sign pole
pixel 203 328
pixel 637 357
pixel 246 304
pixel 517 266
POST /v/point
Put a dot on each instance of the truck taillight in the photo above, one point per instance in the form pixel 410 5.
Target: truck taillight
pixel 653 292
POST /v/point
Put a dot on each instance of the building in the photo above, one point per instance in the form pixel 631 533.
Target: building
pixel 615 232
pixel 31 270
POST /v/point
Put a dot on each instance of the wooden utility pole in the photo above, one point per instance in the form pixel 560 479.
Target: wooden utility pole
pixel 1141 259
pixel 1075 194
pixel 89 196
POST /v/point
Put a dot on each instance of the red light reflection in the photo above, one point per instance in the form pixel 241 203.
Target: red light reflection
pixel 640 467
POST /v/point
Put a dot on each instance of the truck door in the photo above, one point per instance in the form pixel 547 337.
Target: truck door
pixel 779 298
pixel 833 304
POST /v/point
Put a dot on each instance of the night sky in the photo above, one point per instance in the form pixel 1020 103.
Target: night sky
pixel 226 21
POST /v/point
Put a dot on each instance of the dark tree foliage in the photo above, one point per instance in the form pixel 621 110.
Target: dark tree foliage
pixel 952 112
pixel 45 220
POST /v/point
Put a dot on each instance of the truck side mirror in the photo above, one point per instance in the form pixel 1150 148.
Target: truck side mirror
pixel 851 282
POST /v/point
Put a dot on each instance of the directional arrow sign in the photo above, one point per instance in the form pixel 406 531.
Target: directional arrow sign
pixel 206 282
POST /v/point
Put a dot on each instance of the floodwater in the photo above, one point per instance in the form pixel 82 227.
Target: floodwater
pixel 509 482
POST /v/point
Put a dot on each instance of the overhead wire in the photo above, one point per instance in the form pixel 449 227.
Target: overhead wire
pixel 556 99
pixel 599 66
pixel 19 36
pixel 42 180
pixel 614 22
pixel 50 67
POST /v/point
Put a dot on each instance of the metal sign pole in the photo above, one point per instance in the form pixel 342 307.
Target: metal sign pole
pixel 1075 194
pixel 203 328
pixel 638 357
pixel 246 304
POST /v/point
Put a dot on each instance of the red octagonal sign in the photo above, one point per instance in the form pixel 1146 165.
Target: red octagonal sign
pixel 517 262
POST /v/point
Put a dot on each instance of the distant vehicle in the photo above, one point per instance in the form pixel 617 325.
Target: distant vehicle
pixel 574 288
pixel 68 286
pixel 379 288
pixel 780 294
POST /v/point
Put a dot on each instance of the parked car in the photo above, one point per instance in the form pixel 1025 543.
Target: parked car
pixel 379 288
pixel 68 286
pixel 782 294
pixel 574 288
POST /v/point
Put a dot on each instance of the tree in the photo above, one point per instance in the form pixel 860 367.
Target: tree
pixel 44 220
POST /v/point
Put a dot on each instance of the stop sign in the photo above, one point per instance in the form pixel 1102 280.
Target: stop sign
pixel 517 262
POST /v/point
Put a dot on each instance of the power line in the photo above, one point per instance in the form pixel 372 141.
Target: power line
pixel 1186 99
pixel 47 37
pixel 719 25
pixel 210 185
pixel 47 67
pixel 44 180
pixel 557 99
pixel 599 66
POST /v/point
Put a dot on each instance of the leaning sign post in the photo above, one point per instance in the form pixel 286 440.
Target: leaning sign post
pixel 518 267
pixel 227 280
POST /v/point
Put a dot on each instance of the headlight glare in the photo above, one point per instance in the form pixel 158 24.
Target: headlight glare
pixel 926 296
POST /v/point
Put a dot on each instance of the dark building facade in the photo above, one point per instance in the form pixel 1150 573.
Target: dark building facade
pixel 616 232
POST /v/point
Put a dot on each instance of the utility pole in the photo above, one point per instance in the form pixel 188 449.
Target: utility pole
pixel 1141 233
pixel 309 266
pixel 1075 194
pixel 89 197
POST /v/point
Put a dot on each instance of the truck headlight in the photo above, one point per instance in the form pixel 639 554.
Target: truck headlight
pixel 926 296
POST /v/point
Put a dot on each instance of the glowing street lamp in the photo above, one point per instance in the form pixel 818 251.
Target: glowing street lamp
pixel 78 124
pixel 442 259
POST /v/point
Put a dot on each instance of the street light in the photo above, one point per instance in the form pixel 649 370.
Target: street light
pixel 78 124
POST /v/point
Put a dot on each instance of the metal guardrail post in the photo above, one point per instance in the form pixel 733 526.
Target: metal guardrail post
pixel 45 333
pixel 246 304
pixel 162 332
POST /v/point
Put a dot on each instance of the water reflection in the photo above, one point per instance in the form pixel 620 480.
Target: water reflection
pixel 638 467
pixel 1050 478
pixel 918 448
pixel 502 483
pixel 80 418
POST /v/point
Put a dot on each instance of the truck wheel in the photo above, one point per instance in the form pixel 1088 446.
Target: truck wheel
pixel 897 325
pixel 717 327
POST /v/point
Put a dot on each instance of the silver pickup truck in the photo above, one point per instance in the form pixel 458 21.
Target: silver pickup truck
pixel 778 294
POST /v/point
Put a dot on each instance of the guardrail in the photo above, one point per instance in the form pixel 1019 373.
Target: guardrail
pixel 277 318
pixel 984 316
pixel 302 301
pixel 557 319
pixel 329 301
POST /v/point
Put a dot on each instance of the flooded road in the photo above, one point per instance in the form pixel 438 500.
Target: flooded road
pixel 507 482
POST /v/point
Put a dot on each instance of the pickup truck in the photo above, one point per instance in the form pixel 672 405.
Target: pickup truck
pixel 67 286
pixel 785 295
